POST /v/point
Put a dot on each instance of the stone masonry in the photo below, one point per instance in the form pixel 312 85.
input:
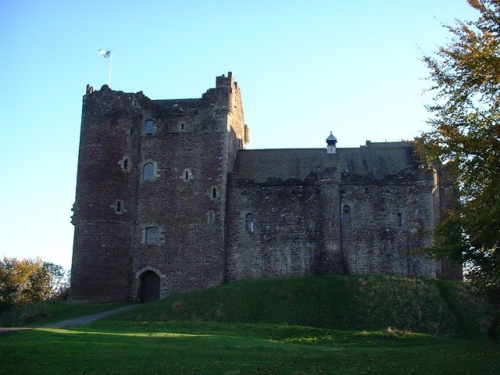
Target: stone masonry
pixel 169 200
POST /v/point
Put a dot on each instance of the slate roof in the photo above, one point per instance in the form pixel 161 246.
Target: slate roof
pixel 375 160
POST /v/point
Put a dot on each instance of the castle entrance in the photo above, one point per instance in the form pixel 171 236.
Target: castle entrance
pixel 150 287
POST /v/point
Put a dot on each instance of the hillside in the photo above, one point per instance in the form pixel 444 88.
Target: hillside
pixel 435 307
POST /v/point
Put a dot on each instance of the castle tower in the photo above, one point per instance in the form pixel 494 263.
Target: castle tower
pixel 151 192
pixel 105 196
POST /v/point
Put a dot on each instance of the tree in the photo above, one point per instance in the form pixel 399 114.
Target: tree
pixel 24 281
pixel 465 133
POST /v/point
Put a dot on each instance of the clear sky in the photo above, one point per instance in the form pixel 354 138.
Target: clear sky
pixel 305 68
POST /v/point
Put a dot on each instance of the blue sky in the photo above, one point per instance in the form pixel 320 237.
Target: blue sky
pixel 305 68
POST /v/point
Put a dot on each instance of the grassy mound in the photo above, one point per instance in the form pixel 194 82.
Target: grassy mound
pixel 336 302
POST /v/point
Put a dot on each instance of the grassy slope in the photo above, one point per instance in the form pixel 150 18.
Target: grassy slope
pixel 339 302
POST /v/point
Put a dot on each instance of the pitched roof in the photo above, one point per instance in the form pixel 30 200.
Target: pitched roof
pixel 373 160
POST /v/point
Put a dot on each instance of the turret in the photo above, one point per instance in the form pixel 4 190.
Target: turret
pixel 331 142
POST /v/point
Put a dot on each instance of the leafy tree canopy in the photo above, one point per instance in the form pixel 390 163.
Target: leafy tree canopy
pixel 465 133
pixel 25 281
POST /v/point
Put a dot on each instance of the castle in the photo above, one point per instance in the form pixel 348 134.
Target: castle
pixel 169 200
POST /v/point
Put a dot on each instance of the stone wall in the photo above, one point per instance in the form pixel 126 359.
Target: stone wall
pixel 271 229
pixel 384 222
pixel 330 224
pixel 185 200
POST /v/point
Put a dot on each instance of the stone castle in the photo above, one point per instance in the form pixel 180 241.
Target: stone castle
pixel 169 200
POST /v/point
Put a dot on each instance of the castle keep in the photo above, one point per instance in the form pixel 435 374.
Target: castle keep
pixel 169 200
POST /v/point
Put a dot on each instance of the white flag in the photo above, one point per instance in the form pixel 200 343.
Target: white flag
pixel 104 53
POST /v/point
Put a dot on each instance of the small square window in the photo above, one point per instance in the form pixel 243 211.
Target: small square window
pixel 152 236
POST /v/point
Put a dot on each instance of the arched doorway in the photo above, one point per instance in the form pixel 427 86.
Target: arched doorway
pixel 150 287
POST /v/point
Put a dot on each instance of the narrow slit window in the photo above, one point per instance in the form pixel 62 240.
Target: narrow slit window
pixel 214 193
pixel 187 175
pixel 118 207
pixel 346 214
pixel 125 164
pixel 400 220
pixel 249 223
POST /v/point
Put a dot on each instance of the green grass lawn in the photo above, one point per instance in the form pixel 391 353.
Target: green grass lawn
pixel 117 347
pixel 321 325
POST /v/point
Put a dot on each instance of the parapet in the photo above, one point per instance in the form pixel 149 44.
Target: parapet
pixel 370 144
pixel 223 81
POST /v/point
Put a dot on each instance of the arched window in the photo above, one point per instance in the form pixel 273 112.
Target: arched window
pixel 249 223
pixel 149 127
pixel 148 172
pixel 346 214
pixel 152 236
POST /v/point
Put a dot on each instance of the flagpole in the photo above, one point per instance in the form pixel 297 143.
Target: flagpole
pixel 110 67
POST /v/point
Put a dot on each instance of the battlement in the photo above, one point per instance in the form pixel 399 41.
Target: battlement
pixel 223 81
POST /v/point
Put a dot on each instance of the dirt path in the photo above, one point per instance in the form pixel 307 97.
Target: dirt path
pixel 72 322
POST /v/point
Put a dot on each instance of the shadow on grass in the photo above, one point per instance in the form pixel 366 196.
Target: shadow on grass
pixel 216 348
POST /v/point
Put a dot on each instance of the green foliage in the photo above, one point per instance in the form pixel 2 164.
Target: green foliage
pixel 465 132
pixel 26 281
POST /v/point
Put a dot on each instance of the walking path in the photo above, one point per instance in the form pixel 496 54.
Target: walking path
pixel 87 319
pixel 72 322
